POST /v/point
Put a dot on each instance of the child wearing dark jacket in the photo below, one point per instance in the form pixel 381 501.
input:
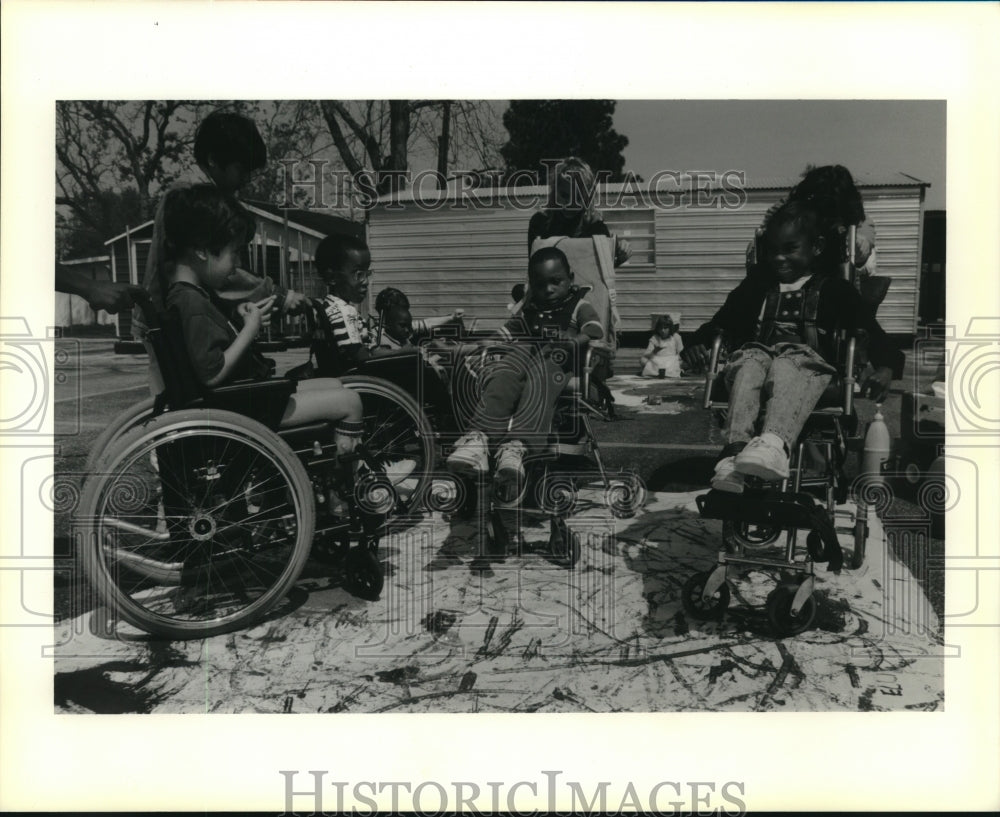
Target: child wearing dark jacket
pixel 784 318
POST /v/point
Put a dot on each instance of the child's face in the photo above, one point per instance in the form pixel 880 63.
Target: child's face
pixel 793 252
pixel 399 324
pixel 219 268
pixel 550 281
pixel 350 282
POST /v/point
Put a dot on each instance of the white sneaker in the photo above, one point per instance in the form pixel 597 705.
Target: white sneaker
pixel 471 455
pixel 510 469
pixel 727 478
pixel 764 458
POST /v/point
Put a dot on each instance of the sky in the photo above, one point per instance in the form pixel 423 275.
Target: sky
pixel 780 137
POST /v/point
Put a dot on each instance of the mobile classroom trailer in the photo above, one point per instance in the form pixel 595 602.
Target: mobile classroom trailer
pixel 466 248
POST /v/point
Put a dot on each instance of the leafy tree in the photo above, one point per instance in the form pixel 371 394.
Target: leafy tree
pixel 553 129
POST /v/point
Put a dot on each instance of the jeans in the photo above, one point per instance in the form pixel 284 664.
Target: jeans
pixel 788 378
pixel 518 397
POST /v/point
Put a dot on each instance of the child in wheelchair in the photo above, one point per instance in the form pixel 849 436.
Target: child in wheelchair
pixel 203 231
pixel 785 318
pixel 518 391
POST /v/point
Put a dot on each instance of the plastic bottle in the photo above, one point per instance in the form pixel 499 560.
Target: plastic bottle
pixel 877 446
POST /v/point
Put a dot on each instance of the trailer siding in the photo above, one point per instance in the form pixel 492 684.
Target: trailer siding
pixel 470 258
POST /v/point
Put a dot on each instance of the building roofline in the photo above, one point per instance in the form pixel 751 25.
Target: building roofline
pixel 129 231
pixel 69 262
pixel 278 220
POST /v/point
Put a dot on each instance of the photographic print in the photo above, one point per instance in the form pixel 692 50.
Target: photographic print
pixel 533 514
pixel 558 419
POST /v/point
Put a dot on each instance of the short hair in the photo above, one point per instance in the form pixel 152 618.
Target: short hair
pixel 228 137
pixel 549 254
pixel 202 217
pixel 389 298
pixel 397 310
pixel 798 213
pixel 517 293
pixel 332 251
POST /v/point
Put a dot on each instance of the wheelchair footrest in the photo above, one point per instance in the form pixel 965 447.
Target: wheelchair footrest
pixel 778 509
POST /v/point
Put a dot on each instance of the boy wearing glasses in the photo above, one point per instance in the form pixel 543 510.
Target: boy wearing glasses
pixel 343 262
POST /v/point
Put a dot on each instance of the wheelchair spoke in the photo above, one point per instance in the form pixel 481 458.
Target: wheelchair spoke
pixel 201 526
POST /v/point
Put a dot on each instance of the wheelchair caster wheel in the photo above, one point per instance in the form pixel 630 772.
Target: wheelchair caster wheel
pixel 564 545
pixel 779 611
pixel 363 573
pixel 740 536
pixel 701 608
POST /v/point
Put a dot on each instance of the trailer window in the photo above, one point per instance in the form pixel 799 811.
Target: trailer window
pixel 638 228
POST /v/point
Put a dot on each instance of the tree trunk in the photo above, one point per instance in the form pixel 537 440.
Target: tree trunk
pixel 399 136
pixel 442 165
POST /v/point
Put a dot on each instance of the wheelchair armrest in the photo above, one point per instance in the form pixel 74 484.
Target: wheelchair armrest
pixel 711 371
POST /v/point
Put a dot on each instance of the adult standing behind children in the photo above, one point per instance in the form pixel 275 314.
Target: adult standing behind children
pixel 571 208
pixel 228 149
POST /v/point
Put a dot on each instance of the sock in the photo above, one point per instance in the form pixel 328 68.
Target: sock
pixel 347 434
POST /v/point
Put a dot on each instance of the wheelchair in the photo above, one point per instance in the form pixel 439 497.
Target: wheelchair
pixel 198 515
pixel 754 521
pixel 553 476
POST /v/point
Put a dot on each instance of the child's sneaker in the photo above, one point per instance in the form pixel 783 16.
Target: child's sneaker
pixel 471 455
pixel 510 469
pixel 764 458
pixel 727 478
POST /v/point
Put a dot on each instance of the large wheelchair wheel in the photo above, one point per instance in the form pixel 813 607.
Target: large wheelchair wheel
pixel 197 523
pixel 398 437
pixel 121 424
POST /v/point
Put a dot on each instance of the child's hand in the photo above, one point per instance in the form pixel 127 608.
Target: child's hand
pixel 294 302
pixel 252 317
pixel 266 306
